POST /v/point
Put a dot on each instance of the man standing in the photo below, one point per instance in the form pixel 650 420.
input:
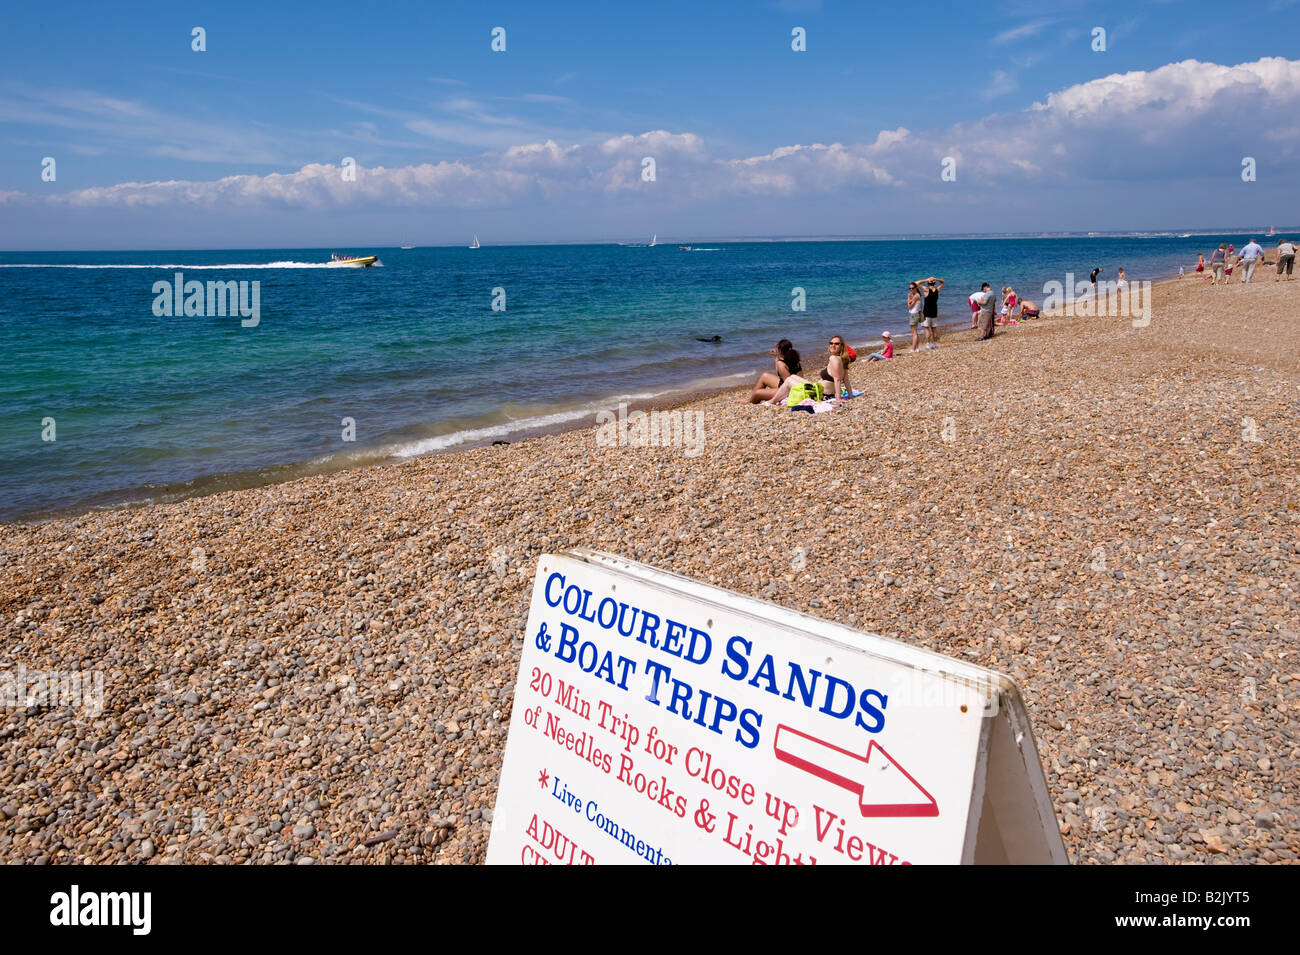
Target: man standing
pixel 984 298
pixel 930 310
pixel 1250 257
pixel 1285 259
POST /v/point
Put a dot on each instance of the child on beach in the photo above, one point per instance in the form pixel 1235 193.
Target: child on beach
pixel 973 301
pixel 1200 261
pixel 886 352
pixel 1008 316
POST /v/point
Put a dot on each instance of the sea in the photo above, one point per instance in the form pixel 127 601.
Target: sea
pixel 110 395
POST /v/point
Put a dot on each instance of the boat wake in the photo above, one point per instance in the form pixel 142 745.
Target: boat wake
pixel 194 268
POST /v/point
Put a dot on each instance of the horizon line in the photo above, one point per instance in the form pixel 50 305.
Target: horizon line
pixel 733 240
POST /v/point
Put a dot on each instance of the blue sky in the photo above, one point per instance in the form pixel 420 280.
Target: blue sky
pixel 159 146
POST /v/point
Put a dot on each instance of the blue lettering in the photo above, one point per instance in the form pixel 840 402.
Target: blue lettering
pixel 766 671
pixel 741 661
pixel 834 685
pixel 613 612
pixel 567 648
pixel 673 634
pixel 550 580
pixel 708 646
pixel 878 721
pixel 649 628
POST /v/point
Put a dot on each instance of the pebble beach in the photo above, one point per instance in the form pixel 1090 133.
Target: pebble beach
pixel 322 671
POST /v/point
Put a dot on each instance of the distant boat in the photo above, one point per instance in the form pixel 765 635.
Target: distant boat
pixel 641 245
pixel 684 248
pixel 407 248
pixel 1272 230
pixel 653 239
pixel 1185 235
pixel 361 261
pixel 474 244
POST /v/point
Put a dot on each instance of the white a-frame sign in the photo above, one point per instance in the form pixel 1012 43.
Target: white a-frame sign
pixel 659 719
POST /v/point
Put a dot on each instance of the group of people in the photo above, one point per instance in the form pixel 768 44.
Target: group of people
pixel 774 387
pixel 1226 257
pixel 1011 309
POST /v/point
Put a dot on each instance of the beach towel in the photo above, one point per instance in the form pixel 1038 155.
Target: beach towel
pixel 814 407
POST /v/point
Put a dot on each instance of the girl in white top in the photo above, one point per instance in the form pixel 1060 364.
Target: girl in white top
pixel 915 300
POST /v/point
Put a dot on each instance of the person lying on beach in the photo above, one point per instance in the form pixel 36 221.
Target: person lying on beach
pixel 787 364
pixel 886 352
pixel 836 372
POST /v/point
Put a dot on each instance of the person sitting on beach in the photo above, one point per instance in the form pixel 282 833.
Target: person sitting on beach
pixel 1009 310
pixel 1028 309
pixel 787 364
pixel 794 381
pixel 836 372
pixel 884 353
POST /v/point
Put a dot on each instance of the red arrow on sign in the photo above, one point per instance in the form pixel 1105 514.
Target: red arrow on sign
pixel 883 787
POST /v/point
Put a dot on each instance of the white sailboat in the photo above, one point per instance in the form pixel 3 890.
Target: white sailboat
pixel 653 239
pixel 475 244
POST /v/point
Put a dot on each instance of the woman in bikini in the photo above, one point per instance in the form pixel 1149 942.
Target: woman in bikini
pixel 787 364
pixel 836 373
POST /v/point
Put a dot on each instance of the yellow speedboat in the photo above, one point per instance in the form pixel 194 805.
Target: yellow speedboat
pixel 361 261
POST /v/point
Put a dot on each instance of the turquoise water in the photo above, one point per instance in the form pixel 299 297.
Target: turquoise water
pixel 147 407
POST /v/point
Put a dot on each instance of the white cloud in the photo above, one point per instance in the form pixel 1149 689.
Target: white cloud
pixel 1124 126
pixel 1000 84
pixel 1024 31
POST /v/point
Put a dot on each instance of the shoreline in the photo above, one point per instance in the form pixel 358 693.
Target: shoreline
pixel 288 472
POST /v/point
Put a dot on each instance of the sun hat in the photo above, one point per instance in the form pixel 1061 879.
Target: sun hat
pixel 884 335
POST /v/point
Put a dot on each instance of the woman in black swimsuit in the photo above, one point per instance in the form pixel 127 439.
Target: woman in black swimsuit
pixel 787 364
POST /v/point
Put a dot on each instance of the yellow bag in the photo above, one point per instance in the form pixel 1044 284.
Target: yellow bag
pixel 802 392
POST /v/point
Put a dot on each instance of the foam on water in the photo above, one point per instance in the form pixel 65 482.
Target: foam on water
pixel 195 268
